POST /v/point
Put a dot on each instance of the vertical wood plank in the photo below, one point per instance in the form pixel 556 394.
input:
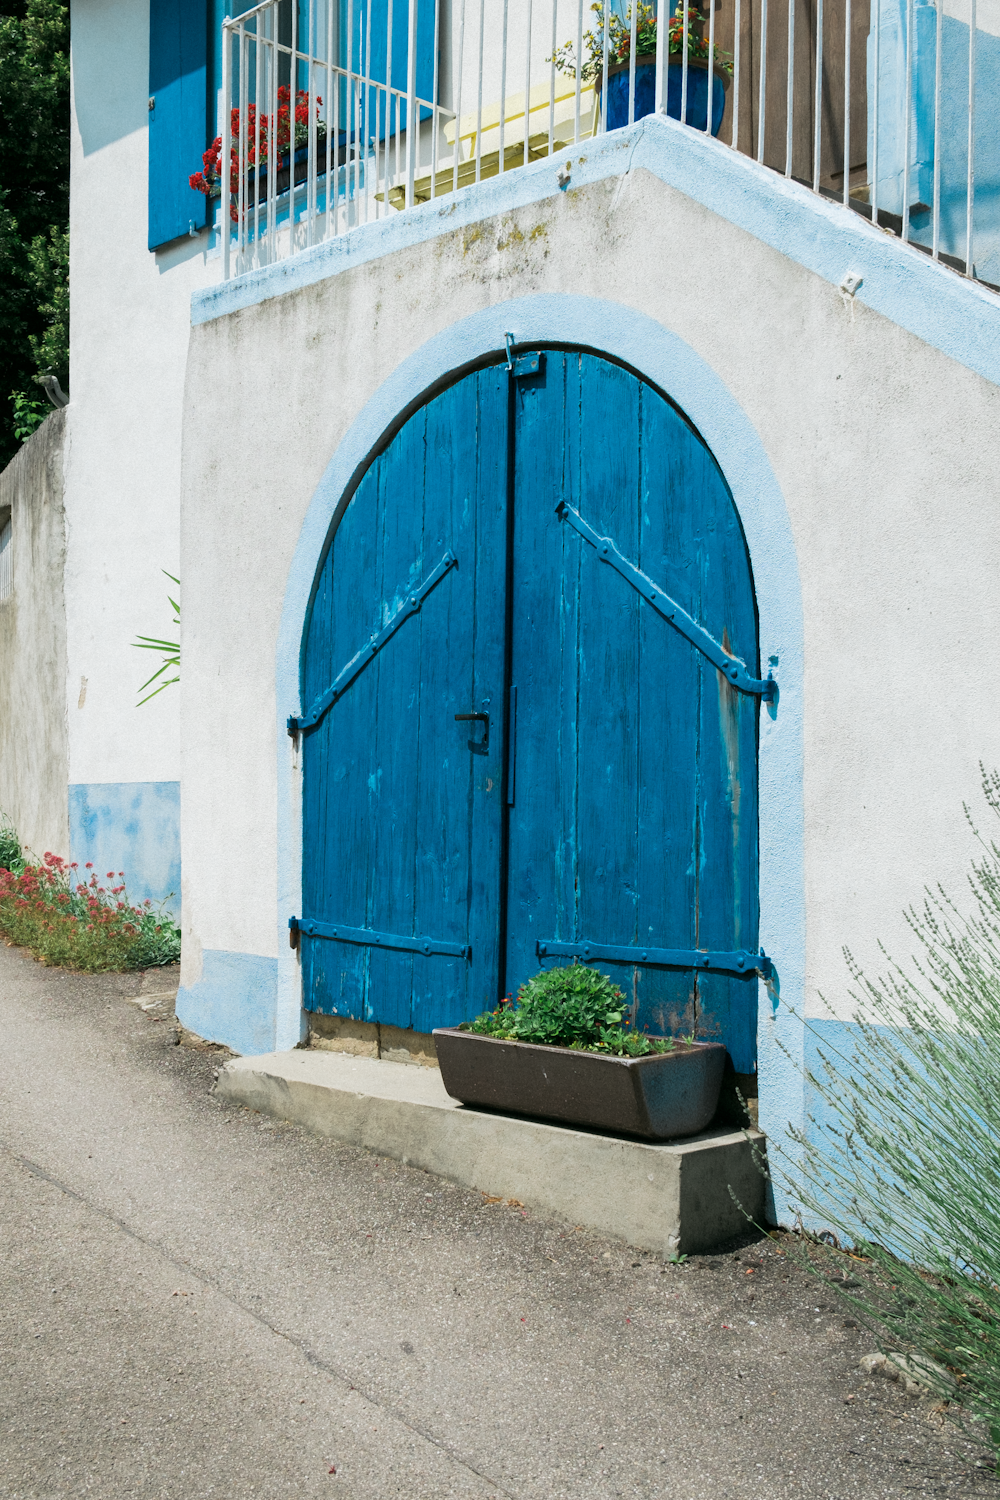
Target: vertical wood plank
pixel 727 773
pixel 544 652
pixel 668 689
pixel 393 782
pixel 607 769
pixel 459 807
pixel 337 756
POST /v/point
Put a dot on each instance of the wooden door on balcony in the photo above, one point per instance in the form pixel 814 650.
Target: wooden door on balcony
pixel 606 790
pixel 774 54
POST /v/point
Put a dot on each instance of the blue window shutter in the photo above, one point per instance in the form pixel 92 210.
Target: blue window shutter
pixel 380 52
pixel 178 116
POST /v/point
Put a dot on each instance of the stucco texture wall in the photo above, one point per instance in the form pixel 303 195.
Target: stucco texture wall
pixel 882 448
pixel 128 343
pixel 33 738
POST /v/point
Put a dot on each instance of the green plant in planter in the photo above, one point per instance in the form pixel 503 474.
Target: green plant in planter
pixel 570 1007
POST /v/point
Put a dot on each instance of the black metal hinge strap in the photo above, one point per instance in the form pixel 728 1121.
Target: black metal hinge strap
pixel 739 962
pixel 411 606
pixel 366 937
pixel 730 666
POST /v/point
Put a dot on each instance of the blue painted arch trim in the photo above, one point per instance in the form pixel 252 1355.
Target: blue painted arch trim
pixel 668 362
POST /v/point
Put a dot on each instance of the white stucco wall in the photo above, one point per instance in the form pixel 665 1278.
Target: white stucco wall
pixel 129 330
pixel 128 346
pixel 881 448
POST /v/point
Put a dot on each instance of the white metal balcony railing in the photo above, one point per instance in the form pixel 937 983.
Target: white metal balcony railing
pixel 888 106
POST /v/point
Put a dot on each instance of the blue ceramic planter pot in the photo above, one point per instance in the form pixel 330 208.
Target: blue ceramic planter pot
pixel 645 93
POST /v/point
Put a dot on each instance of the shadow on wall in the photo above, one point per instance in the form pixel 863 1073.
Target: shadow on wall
pixel 897 131
pixel 132 826
pixel 110 74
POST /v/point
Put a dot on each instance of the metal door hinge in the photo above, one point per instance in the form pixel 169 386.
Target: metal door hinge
pixel 414 599
pixel 738 962
pixel 367 937
pixel 519 365
pixel 734 670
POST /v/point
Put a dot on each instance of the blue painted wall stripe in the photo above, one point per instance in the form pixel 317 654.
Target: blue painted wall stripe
pixel 132 826
pixel 233 1001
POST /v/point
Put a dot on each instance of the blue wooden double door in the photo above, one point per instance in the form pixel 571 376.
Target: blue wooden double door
pixel 511 755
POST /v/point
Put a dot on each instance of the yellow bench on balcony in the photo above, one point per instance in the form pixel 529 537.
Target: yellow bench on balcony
pixel 465 130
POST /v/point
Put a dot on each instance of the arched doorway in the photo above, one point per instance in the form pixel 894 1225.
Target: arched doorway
pixel 554 552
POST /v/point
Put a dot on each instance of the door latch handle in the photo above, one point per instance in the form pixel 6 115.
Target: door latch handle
pixel 478 747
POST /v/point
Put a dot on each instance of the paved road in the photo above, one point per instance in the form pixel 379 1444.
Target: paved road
pixel 195 1301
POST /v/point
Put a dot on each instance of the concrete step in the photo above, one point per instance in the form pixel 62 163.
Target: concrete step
pixel 672 1197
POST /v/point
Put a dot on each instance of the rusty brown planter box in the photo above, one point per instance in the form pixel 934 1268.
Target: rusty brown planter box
pixel 669 1094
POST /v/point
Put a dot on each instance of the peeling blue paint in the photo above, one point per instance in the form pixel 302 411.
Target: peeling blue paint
pixel 133 826
pixel 233 1002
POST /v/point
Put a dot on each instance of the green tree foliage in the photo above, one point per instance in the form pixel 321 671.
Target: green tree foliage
pixel 34 204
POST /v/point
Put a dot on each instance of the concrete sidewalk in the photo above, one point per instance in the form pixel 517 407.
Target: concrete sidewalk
pixel 196 1301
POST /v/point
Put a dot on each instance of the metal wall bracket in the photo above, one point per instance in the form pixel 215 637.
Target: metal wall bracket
pixel 731 667
pixel 521 364
pixel 366 937
pixel 357 663
pixel 739 962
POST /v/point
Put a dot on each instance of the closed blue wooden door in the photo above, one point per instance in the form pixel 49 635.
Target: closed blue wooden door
pixel 402 802
pixel 635 808
pixel 611 796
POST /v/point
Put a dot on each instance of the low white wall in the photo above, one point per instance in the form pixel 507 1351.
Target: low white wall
pixel 881 445
pixel 33 740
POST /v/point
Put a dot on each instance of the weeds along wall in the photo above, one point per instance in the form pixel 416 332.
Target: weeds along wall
pixel 857 437
pixel 33 735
